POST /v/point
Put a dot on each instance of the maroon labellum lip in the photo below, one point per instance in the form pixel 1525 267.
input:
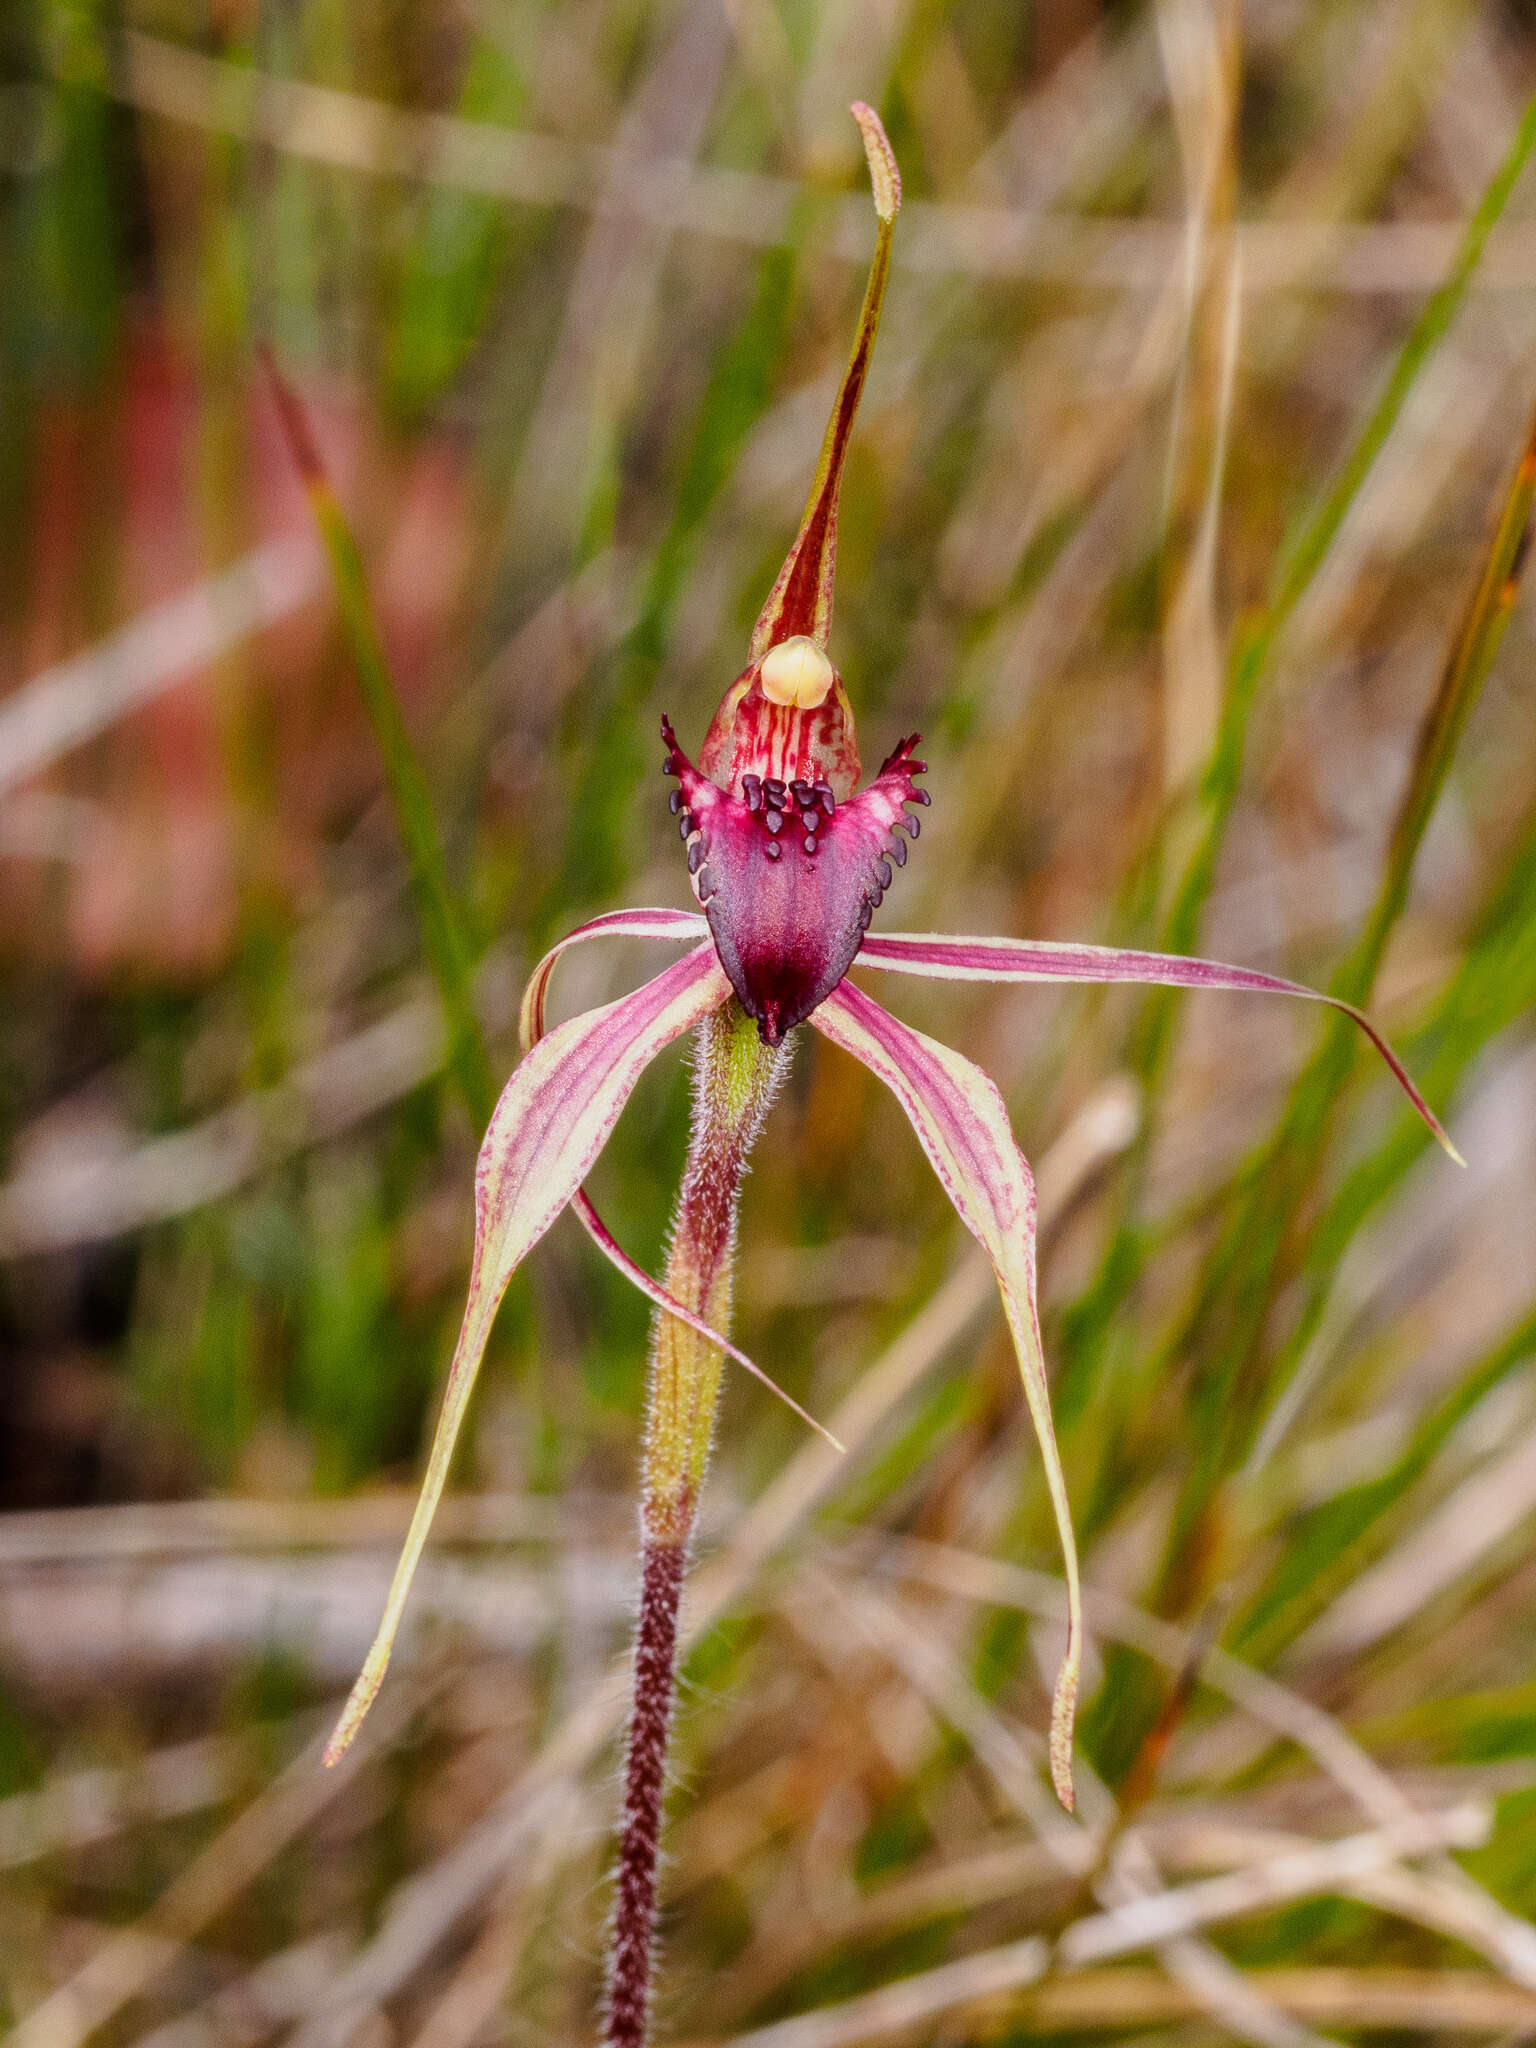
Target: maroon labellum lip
pixel 788 877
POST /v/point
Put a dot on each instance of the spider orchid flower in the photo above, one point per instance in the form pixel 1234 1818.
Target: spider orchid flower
pixel 788 858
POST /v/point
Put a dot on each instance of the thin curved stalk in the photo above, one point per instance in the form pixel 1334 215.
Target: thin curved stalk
pixel 735 1078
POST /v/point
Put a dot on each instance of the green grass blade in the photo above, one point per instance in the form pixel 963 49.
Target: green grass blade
pixel 1462 678
pixel 1324 1550
pixel 1221 1339
pixel 1305 555
pixel 619 746
pixel 444 937
pixel 1225 1331
pixel 1495 986
pixel 1252 654
pixel 1295 1149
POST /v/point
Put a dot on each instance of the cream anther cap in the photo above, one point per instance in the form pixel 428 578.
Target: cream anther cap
pixel 797 673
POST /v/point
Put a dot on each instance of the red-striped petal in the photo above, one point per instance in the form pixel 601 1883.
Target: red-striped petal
pixel 963 1126
pixel 641 924
pixel 684 927
pixel 553 1119
pixel 940 958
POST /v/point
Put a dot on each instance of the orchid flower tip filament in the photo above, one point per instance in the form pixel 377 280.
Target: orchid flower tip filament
pixel 883 173
pixel 359 1700
pixel 1063 1714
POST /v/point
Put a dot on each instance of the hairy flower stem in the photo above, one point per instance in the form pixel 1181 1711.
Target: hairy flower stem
pixel 735 1076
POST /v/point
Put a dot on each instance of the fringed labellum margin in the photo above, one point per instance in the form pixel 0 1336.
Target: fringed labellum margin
pixel 788 877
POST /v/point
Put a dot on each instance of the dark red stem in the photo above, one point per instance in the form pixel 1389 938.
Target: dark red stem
pixel 734 1080
pixel 634 1913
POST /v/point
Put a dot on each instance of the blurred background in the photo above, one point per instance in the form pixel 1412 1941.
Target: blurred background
pixel 1173 484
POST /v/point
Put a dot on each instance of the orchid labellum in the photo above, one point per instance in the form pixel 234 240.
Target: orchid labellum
pixel 789 857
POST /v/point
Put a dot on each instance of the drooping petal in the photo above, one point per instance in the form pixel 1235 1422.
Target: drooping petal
pixel 653 1290
pixel 940 958
pixel 789 878
pixel 553 1119
pixel 683 926
pixel 801 598
pixel 641 924
pixel 963 1126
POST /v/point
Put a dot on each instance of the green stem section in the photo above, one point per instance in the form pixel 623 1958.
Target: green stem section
pixel 735 1077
